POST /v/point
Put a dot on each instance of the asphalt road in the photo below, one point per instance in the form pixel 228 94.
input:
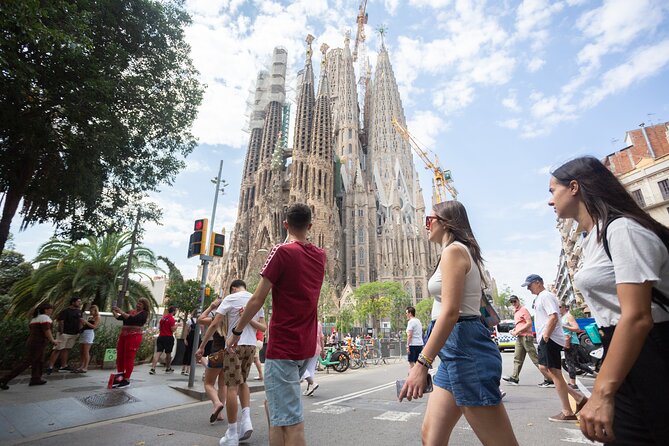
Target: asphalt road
pixel 355 407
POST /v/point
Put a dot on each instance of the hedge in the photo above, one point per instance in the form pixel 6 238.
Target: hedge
pixel 13 334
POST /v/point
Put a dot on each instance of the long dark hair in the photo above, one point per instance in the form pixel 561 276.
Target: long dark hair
pixel 41 308
pixel 453 215
pixel 604 196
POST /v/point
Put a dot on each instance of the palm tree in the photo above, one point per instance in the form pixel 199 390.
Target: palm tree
pixel 92 269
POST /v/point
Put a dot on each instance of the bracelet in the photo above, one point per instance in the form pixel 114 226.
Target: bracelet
pixel 423 363
pixel 428 361
pixel 235 332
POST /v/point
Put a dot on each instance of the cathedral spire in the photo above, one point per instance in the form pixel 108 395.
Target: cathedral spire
pixel 323 83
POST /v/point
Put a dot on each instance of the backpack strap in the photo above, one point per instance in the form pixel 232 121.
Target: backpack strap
pixel 657 296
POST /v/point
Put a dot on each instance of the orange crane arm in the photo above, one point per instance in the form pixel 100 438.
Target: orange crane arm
pixel 360 34
pixel 442 178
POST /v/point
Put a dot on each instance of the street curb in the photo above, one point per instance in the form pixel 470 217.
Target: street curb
pixel 200 395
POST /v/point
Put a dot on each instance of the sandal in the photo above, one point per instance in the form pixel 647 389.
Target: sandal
pixel 214 416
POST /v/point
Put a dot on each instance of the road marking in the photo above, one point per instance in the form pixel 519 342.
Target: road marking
pixel 575 436
pixel 350 396
pixel 584 390
pixel 397 416
pixel 332 410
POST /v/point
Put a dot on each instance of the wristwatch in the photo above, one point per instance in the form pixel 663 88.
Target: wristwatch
pixel 235 332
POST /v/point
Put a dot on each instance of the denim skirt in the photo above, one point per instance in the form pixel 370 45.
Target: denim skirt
pixel 471 365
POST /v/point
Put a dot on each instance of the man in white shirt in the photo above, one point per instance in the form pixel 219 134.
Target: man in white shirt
pixel 551 342
pixel 414 336
pixel 237 364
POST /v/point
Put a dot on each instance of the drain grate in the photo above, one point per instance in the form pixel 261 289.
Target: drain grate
pixel 108 399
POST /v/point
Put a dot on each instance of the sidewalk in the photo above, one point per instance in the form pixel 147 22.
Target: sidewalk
pixel 72 399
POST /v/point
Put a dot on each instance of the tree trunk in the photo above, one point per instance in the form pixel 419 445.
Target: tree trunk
pixel 11 204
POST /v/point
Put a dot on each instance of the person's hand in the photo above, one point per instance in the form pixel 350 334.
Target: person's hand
pixel 545 338
pixel 115 308
pixel 186 342
pixel 54 342
pixel 596 418
pixel 415 383
pixel 512 332
pixel 199 353
pixel 232 343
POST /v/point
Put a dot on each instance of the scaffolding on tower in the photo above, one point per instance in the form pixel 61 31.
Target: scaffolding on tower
pixel 360 56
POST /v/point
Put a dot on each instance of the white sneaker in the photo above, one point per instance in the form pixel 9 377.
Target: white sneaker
pixel 306 391
pixel 244 429
pixel 229 440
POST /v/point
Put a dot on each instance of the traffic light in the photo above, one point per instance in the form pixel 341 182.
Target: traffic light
pixel 197 244
pixel 216 246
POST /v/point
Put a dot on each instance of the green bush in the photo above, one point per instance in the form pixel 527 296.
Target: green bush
pixel 13 335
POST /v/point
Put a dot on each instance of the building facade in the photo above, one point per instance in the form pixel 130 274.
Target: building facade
pixel 358 179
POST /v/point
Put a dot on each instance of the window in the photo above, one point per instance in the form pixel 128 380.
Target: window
pixel 350 133
pixel 664 188
pixel 362 277
pixel 361 258
pixel 350 148
pixel 361 235
pixel 361 212
pixel 638 197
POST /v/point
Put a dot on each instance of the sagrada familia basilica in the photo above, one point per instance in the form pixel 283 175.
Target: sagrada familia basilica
pixel 353 169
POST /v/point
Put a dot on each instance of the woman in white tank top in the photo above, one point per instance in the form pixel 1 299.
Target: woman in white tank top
pixel 467 381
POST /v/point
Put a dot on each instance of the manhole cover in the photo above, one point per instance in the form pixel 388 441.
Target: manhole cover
pixel 108 399
pixel 81 389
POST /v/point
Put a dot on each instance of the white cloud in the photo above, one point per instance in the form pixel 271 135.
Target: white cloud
pixel 535 64
pixel 540 207
pixel 424 126
pixel 511 124
pixel 533 17
pixel 511 102
pixel 391 6
pixel 643 64
pixel 435 4
pixel 544 171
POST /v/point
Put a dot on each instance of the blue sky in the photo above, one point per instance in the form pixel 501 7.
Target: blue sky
pixel 502 91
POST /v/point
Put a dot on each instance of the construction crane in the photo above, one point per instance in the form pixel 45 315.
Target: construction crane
pixel 360 34
pixel 442 178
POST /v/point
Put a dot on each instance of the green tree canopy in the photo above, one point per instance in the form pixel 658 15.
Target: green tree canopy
pixel 424 311
pixel 345 319
pixel 501 303
pixel 98 98
pixel 399 303
pixel 375 300
pixel 92 269
pixel 13 268
pixel 184 295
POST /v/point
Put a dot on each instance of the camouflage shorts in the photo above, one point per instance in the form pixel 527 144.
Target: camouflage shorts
pixel 236 365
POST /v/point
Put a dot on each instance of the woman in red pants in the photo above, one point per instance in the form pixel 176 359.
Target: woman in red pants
pixel 40 333
pixel 130 338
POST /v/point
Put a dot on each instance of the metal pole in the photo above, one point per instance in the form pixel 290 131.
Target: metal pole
pixel 124 288
pixel 203 281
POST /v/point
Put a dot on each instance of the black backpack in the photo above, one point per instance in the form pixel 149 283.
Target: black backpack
pixel 657 296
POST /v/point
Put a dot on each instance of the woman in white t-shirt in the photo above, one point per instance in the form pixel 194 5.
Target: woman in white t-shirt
pixel 626 288
pixel 467 381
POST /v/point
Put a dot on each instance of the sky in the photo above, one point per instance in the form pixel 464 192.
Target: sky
pixel 502 91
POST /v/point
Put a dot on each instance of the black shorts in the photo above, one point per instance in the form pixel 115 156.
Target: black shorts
pixel 165 344
pixel 414 351
pixel 549 354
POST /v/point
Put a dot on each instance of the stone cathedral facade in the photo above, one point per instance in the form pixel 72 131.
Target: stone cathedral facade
pixel 357 175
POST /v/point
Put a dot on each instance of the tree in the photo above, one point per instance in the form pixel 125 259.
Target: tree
pixel 98 98
pixel 184 295
pixel 501 303
pixel 424 311
pixel 399 303
pixel 345 319
pixel 175 275
pixel 326 306
pixel 375 300
pixel 13 268
pixel 93 269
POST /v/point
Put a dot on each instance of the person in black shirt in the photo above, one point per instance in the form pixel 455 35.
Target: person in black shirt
pixel 69 326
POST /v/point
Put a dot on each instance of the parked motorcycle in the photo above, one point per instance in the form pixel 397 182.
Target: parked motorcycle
pixel 588 356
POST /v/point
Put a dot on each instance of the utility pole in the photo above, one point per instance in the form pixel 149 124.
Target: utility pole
pixel 124 288
pixel 203 281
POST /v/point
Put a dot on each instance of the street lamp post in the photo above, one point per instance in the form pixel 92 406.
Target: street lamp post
pixel 203 281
